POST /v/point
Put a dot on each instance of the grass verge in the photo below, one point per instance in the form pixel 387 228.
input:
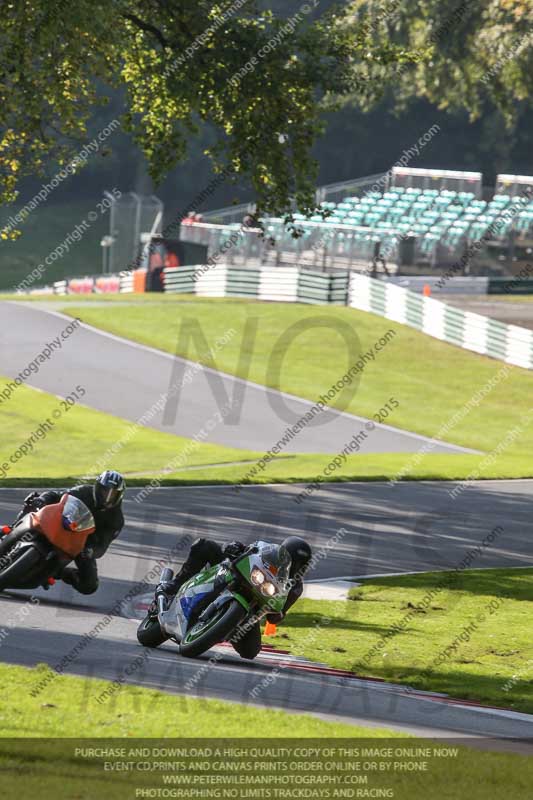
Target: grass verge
pixel 467 634
pixel 433 382
pixel 82 442
pixel 67 707
pixel 64 718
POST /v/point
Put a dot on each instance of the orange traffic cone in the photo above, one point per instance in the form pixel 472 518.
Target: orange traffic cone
pixel 270 629
pixel 427 290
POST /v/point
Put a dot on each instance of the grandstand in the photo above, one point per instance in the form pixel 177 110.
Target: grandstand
pixel 409 221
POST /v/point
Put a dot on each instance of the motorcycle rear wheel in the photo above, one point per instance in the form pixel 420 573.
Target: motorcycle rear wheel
pixel 214 630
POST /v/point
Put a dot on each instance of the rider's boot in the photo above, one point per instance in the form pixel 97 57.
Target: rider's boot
pixel 169 589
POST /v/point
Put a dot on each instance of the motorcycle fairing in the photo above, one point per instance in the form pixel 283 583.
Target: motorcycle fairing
pixel 175 620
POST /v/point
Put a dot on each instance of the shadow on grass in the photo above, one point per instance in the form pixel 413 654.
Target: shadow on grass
pixel 465 685
pixel 310 620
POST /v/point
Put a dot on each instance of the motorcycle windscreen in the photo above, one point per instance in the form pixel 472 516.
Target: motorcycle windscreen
pixel 277 561
pixel 66 524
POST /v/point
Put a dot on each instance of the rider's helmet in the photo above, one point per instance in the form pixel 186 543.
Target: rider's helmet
pixel 300 553
pixel 109 489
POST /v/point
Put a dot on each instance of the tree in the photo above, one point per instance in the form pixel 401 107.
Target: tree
pixel 258 79
pixel 472 54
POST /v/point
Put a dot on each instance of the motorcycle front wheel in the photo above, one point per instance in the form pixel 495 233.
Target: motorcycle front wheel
pixel 150 633
pixel 205 634
pixel 16 573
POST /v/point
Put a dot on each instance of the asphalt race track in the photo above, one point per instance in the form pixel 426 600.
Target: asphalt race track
pixel 126 379
pixel 408 527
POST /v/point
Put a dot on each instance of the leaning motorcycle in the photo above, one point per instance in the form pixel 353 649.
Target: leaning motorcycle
pixel 216 604
pixel 43 543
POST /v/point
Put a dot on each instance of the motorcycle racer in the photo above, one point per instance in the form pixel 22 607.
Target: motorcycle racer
pixel 207 551
pixel 104 500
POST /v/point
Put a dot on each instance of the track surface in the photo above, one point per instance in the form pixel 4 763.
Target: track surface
pixel 384 535
pixel 126 380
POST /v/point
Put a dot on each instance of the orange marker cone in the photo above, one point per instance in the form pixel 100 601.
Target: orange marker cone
pixel 427 290
pixel 270 629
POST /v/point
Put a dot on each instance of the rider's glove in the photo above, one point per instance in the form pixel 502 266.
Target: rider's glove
pixel 234 549
pixel 275 617
pixel 30 503
pixel 165 588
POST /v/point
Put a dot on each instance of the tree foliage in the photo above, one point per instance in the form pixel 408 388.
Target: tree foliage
pixel 184 63
pixel 473 53
pixel 181 63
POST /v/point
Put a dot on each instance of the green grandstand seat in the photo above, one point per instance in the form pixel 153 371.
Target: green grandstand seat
pixel 403 227
pixel 524 217
pixel 396 213
pixel 397 189
pixel 453 236
pixel 502 199
pixel 519 201
pixel 449 216
pixel 404 203
pixel 477 229
pixel 428 244
pixel 465 197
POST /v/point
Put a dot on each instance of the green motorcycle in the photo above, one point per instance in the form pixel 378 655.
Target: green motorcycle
pixel 221 601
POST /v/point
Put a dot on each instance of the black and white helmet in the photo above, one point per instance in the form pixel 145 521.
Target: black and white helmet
pixel 109 489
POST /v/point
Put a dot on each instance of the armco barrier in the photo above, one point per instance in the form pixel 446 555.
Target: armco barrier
pixel 289 284
pixel 126 281
pixel 60 287
pixel 107 284
pixel 318 287
pixel 470 331
pixel 81 285
pixel 516 285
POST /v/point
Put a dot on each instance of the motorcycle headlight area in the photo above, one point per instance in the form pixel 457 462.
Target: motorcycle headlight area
pixel 258 578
